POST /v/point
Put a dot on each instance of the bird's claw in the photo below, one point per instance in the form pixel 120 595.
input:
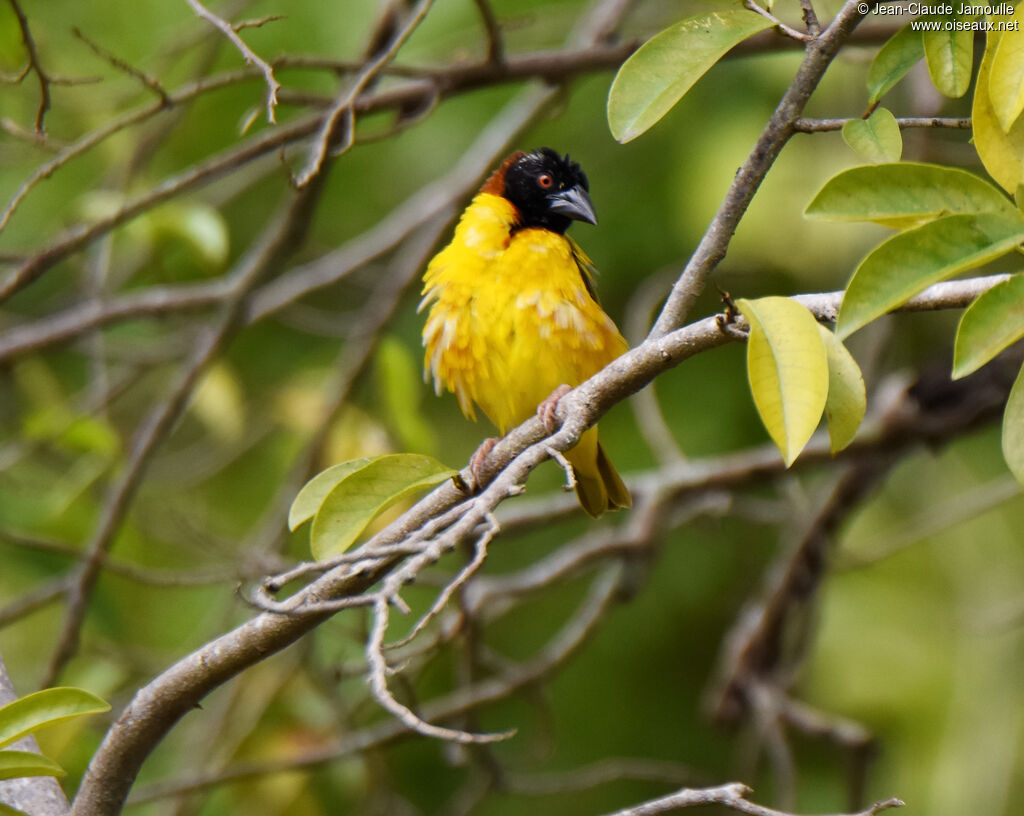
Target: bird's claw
pixel 479 459
pixel 546 410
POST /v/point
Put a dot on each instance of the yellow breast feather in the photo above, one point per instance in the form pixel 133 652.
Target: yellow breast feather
pixel 512 312
pixel 511 318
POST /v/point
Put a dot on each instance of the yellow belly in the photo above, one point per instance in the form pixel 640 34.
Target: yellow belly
pixel 511 318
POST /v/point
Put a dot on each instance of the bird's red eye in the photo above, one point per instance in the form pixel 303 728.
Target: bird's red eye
pixel 545 181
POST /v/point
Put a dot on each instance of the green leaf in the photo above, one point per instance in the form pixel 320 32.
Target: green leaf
pixel 1001 151
pixel 788 370
pixel 664 68
pixel 313 493
pixel 908 262
pixel 904 194
pixel 1006 74
pixel 893 60
pixel 46 707
pixel 14 764
pixel 950 58
pixel 365 493
pixel 877 138
pixel 7 810
pixel 847 400
pixel 1013 429
pixel 992 323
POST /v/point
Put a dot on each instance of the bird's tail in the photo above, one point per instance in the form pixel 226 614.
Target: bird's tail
pixel 598 485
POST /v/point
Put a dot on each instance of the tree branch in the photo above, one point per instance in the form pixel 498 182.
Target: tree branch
pixel 713 246
pixel 732 796
pixel 250 57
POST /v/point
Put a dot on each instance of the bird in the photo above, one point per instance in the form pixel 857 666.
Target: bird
pixel 514 322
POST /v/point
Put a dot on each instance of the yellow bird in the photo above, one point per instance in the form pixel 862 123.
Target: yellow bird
pixel 513 318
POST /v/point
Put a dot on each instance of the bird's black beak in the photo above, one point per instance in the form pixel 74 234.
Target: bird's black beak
pixel 573 203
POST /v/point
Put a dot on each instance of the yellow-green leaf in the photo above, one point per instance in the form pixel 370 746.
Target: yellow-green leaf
pixel 908 262
pixel 787 367
pixel 847 400
pixel 1013 429
pixel 950 58
pixel 14 764
pixel 664 68
pixel 893 60
pixel 992 323
pixel 904 194
pixel 313 493
pixel 7 810
pixel 1001 151
pixel 43 708
pixel 1006 74
pixel 365 493
pixel 876 139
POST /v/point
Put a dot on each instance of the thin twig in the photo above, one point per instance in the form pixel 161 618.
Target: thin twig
pixel 34 64
pixel 259 22
pixel 567 469
pixel 451 587
pixel 343 112
pixel 804 125
pixel 495 41
pixel 732 796
pixel 250 56
pixel 789 31
pixel 377 675
pixel 149 82
pixel 33 137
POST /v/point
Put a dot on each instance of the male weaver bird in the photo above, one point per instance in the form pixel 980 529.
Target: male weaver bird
pixel 513 317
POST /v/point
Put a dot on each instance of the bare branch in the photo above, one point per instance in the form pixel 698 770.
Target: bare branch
pixel 450 588
pixel 495 44
pixel 780 26
pixel 377 676
pixel 342 113
pixel 732 796
pixel 259 22
pixel 803 125
pixel 567 468
pixel 250 57
pixel 33 137
pixel 34 64
pixel 712 248
pixel 149 82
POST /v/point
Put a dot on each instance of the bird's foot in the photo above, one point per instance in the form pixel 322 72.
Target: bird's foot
pixel 546 410
pixel 478 461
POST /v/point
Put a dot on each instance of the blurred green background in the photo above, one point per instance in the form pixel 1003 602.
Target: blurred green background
pixel 919 626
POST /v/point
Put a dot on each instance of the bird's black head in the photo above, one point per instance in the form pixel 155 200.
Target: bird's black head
pixel 548 190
